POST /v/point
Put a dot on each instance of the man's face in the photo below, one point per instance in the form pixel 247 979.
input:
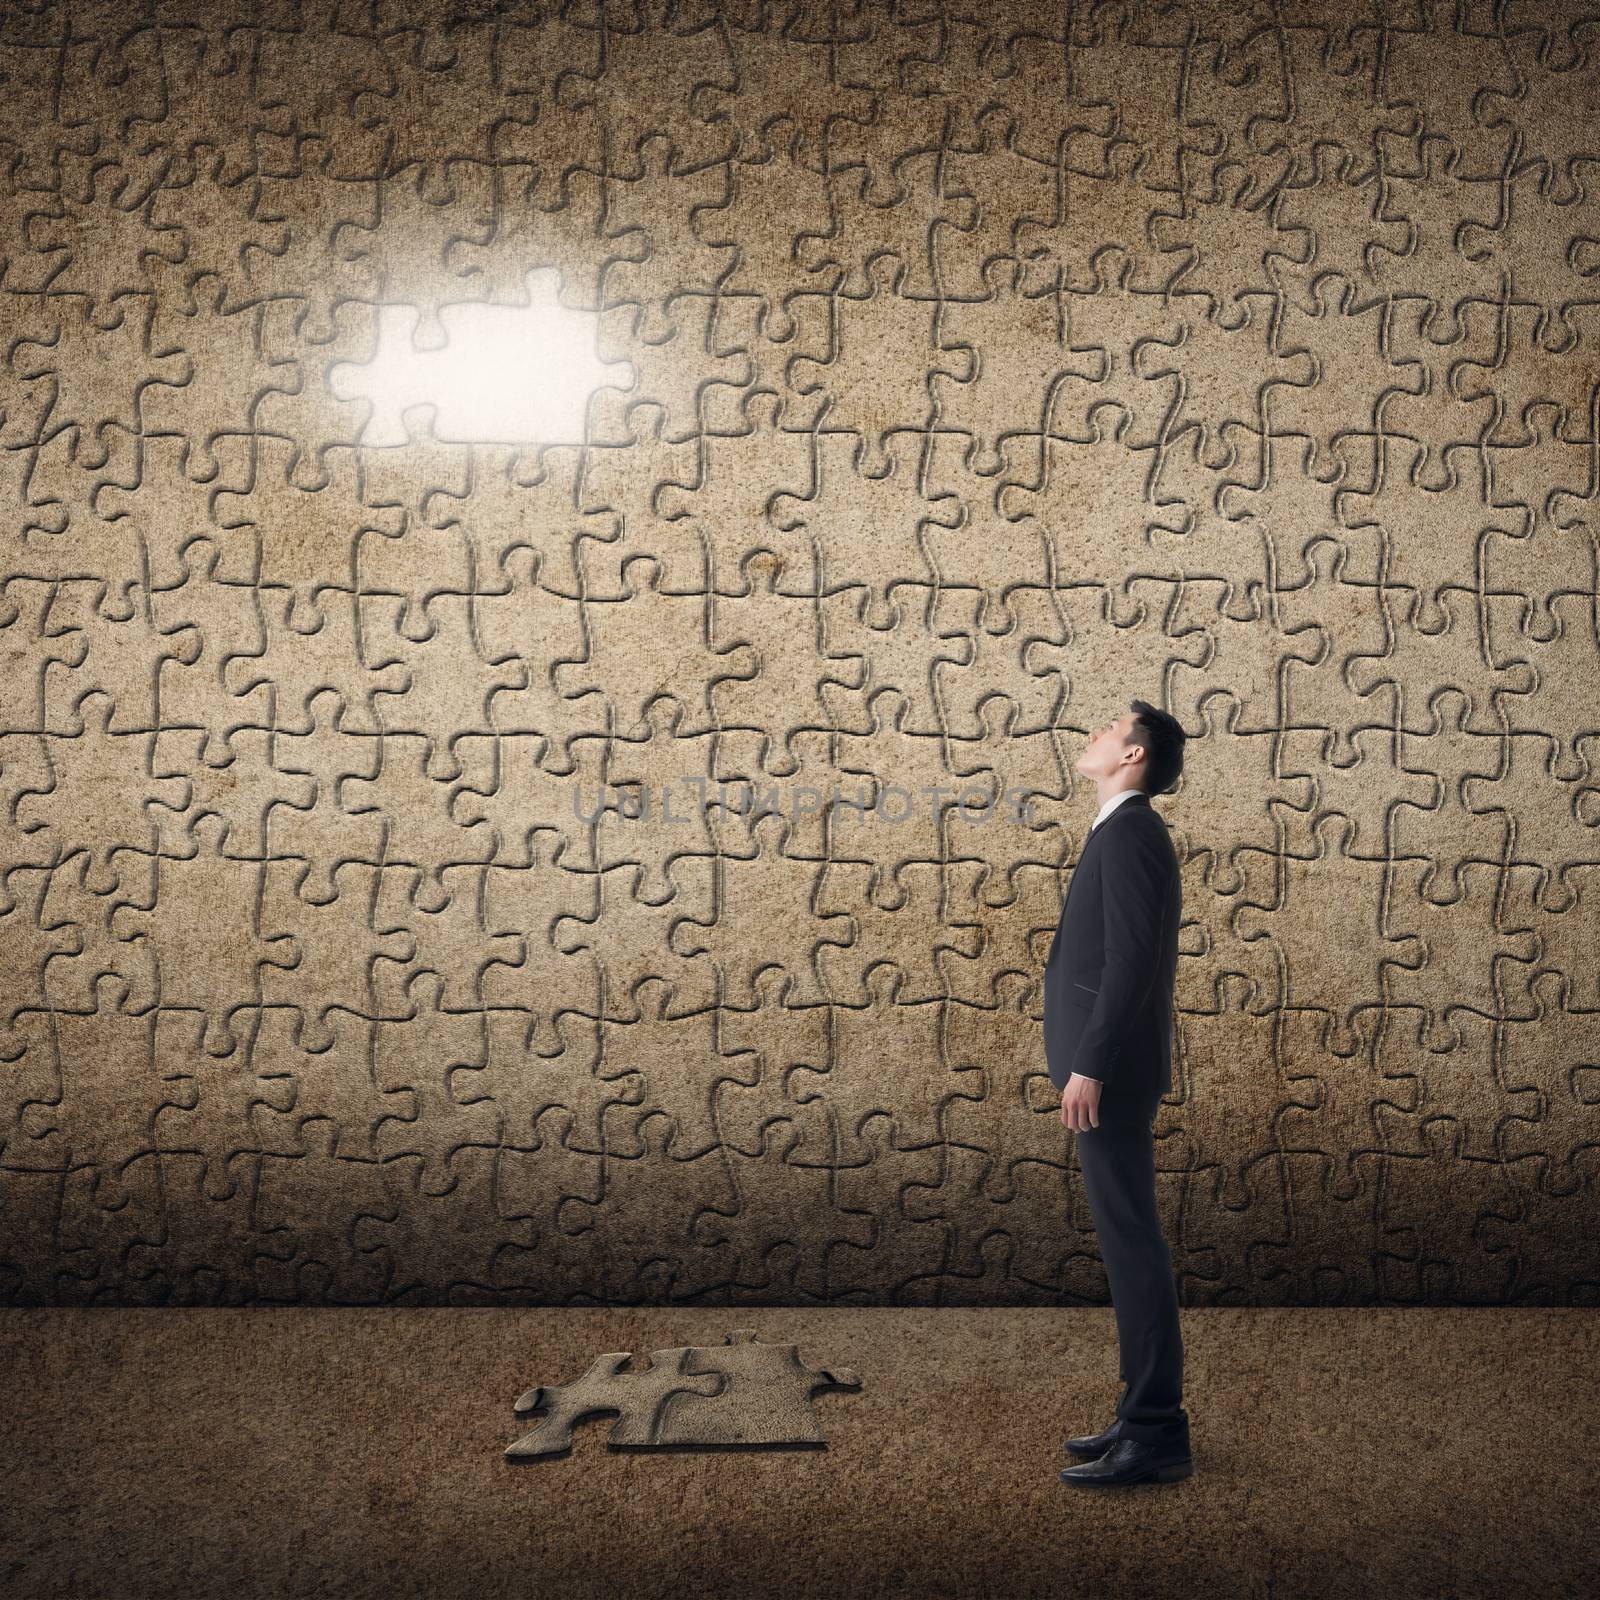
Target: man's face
pixel 1107 745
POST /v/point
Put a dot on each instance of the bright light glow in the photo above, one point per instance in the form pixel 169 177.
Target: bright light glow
pixel 506 375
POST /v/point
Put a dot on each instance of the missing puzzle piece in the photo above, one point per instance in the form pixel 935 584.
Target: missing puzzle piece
pixel 505 375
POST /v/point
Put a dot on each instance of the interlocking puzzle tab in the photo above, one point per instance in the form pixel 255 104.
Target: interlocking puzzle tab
pixel 507 374
pixel 739 1392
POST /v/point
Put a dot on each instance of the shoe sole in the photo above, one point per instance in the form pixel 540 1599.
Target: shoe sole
pixel 1173 1473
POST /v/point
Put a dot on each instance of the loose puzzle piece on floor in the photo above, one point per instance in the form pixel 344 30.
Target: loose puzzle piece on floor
pixel 739 1392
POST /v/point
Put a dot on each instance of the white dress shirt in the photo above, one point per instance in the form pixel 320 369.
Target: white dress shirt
pixel 1110 806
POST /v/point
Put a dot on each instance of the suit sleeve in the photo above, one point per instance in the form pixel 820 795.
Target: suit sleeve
pixel 1134 896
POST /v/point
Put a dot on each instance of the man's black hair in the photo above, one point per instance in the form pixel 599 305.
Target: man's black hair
pixel 1162 738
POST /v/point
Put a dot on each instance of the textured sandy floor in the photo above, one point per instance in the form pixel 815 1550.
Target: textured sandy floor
pixel 359 1452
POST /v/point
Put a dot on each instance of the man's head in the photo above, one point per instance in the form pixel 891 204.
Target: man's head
pixel 1141 749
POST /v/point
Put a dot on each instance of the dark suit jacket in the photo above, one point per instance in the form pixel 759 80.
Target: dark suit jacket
pixel 1109 977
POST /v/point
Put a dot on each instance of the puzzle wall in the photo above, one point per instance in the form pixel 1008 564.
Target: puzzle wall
pixel 542 545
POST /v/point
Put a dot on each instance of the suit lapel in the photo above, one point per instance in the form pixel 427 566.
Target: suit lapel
pixel 1137 798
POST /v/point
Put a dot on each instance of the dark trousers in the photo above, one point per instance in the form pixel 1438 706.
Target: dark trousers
pixel 1118 1163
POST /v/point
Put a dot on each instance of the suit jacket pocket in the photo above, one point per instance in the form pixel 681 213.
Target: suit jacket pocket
pixel 1084 986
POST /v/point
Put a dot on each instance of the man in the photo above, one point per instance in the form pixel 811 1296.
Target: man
pixel 1108 1041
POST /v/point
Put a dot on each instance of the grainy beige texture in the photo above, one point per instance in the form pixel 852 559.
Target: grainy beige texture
pixel 988 370
pixel 1337 1452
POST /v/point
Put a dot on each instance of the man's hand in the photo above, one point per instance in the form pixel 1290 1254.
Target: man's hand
pixel 1080 1103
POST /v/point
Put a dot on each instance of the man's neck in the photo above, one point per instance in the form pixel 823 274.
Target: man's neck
pixel 1108 795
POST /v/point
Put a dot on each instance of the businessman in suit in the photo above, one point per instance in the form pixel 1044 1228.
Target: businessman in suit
pixel 1108 1042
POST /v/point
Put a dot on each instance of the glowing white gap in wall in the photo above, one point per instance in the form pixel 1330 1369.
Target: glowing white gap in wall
pixel 506 375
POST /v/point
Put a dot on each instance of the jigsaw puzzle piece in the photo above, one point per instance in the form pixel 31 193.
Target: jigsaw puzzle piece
pixel 636 1397
pixel 765 1398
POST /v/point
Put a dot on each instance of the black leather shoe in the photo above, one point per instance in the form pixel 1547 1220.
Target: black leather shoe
pixel 1092 1445
pixel 1133 1461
